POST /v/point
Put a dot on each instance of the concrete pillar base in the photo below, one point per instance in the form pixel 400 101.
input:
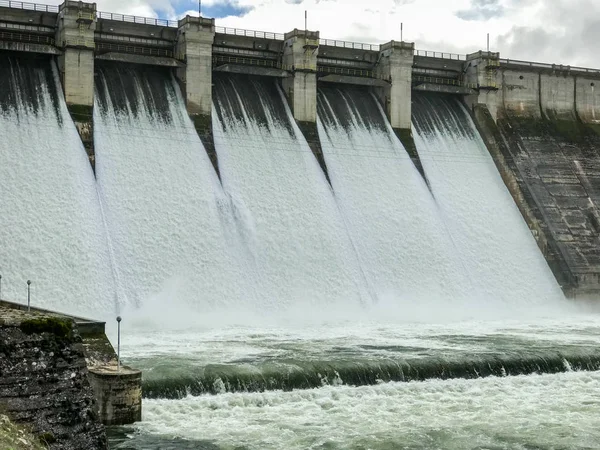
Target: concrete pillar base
pixel 118 394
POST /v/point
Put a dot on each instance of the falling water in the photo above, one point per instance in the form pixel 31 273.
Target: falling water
pixel 391 214
pixel 292 228
pixel 50 220
pixel 164 207
pixel 489 230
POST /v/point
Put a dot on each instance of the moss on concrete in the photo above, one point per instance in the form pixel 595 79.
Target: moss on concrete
pixel 13 437
pixel 81 113
pixel 58 326
pixel 203 125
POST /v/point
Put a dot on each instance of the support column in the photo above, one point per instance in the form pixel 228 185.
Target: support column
pixel 481 73
pixel 300 52
pixel 194 46
pixel 75 35
pixel 395 67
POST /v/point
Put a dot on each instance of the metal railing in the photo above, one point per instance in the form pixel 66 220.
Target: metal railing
pixel 29 6
pixel 250 33
pixel 441 55
pixel 444 81
pixel 538 65
pixel 348 71
pixel 346 44
pixel 131 49
pixel 137 19
pixel 246 61
pixel 31 38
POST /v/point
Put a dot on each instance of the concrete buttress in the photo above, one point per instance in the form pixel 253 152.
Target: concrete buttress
pixel 395 67
pixel 75 35
pixel 300 53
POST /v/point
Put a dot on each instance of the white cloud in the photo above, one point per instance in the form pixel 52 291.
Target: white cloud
pixel 556 31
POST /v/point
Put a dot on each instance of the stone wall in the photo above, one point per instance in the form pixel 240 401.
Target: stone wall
pixel 43 381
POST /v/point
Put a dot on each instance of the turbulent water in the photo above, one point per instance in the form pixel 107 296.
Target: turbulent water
pixel 307 315
pixel 392 218
pixel 167 216
pixel 484 221
pixel 290 225
pixel 500 412
pixel 50 219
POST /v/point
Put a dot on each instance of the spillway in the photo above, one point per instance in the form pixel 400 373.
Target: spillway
pixel 291 224
pixel 402 242
pixel 167 216
pixel 50 219
pixel 486 225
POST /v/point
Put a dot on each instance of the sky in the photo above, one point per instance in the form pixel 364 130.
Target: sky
pixel 553 31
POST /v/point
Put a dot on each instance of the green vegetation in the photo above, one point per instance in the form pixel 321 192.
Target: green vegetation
pixel 13 437
pixel 81 113
pixel 59 326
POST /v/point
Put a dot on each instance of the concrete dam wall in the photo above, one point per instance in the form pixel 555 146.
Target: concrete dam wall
pixel 131 84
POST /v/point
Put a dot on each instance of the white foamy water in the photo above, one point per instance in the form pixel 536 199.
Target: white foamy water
pixel 393 220
pixel 291 226
pixel 50 220
pixel 488 229
pixel 543 412
pixel 165 210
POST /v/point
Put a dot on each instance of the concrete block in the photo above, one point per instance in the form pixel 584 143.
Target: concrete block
pixel 300 53
pixel 521 93
pixel 118 394
pixel 194 46
pixel 588 100
pixel 557 96
pixel 395 67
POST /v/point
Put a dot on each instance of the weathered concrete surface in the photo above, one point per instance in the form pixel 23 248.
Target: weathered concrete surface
pixel 481 69
pixel 29 47
pixel 300 57
pixel 395 67
pixel 194 46
pixel 141 59
pixel 444 89
pixel 588 100
pixel 521 93
pixel 555 167
pixel 523 196
pixel 76 63
pixel 43 380
pixel 361 81
pixel 557 97
pixel 118 393
pixel 253 70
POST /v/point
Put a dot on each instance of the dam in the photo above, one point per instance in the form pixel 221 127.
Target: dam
pixel 292 223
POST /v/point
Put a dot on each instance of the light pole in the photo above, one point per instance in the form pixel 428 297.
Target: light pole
pixel 28 295
pixel 0 287
pixel 118 343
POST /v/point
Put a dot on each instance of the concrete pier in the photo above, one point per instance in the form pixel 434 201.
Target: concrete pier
pixel 395 67
pixel 194 46
pixel 300 52
pixel 118 394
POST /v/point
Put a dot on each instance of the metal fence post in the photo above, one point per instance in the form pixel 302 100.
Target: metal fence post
pixel 118 343
pixel 28 295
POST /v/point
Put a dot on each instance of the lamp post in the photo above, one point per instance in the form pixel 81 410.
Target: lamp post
pixel 119 343
pixel 28 295
pixel 0 287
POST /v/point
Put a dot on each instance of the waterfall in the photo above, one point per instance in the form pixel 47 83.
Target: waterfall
pixel 50 218
pixel 292 229
pixel 485 223
pixel 392 216
pixel 166 212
